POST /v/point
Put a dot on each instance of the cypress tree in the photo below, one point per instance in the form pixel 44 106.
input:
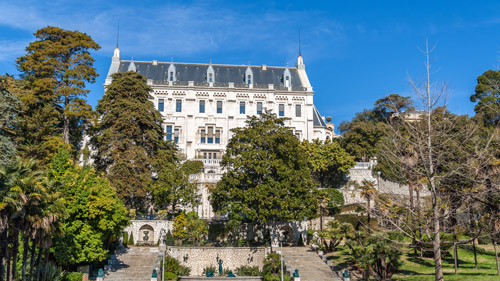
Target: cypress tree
pixel 129 137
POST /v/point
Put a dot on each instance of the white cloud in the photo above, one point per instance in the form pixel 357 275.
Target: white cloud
pixel 176 29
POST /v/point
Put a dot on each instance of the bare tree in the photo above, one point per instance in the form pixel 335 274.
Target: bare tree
pixel 429 149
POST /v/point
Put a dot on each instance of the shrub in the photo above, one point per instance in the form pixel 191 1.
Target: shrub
pixel 53 273
pixel 131 239
pixel 125 239
pixel 276 277
pixel 396 236
pixel 209 268
pixel 173 265
pixel 272 263
pixel 72 276
pixel 170 276
pixel 169 239
pixel 248 271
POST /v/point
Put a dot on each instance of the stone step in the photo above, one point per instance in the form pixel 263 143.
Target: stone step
pixel 133 264
pixel 309 264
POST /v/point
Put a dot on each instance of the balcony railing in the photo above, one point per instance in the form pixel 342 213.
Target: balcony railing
pixel 209 162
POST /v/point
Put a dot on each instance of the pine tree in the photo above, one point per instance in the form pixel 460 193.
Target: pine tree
pixel 58 64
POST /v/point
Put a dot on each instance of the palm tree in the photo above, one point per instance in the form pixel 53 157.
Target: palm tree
pixel 368 191
pixel 12 203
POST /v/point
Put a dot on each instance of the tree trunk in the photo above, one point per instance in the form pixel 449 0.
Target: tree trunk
pixel 475 254
pixel 39 263
pixel 419 225
pixel 455 255
pixel 437 237
pixel 320 218
pixel 496 255
pixel 26 246
pixel 45 263
pixel 33 256
pixel 15 251
pixel 412 216
pixel 7 258
pixel 3 253
pixel 368 208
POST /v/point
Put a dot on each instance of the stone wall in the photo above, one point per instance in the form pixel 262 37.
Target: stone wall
pixel 136 226
pixel 245 278
pixel 199 258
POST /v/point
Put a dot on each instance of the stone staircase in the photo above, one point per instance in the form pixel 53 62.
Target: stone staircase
pixel 309 264
pixel 132 264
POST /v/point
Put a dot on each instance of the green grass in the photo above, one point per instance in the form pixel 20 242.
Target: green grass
pixel 416 269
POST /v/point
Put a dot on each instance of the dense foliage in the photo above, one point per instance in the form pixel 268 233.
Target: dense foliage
pixel 329 163
pixel 267 176
pixel 10 107
pixel 94 215
pixel 128 138
pixel 58 65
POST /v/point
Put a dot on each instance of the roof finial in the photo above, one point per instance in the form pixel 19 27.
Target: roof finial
pixel 210 60
pixel 171 59
pixel 118 33
pixel 132 58
pixel 300 53
pixel 248 63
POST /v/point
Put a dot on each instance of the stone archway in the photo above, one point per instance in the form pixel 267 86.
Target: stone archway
pixel 286 234
pixel 146 234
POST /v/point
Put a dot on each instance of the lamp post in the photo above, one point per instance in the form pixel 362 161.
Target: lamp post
pixel 281 254
pixel 163 265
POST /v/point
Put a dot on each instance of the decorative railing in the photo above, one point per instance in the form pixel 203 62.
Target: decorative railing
pixel 209 162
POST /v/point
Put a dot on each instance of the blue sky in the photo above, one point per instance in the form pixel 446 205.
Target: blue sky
pixel 355 51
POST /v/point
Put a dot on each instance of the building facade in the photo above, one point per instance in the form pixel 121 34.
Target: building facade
pixel 201 103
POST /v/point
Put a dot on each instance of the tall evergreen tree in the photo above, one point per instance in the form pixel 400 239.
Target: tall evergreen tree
pixel 129 137
pixel 58 65
pixel 487 97
pixel 10 106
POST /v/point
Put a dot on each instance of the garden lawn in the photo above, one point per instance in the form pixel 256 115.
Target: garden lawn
pixel 423 269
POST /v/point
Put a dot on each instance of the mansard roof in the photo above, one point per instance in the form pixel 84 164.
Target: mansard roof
pixel 263 75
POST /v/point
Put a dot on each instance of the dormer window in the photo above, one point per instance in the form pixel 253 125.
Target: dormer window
pixel 210 73
pixel 171 73
pixel 287 78
pixel 249 76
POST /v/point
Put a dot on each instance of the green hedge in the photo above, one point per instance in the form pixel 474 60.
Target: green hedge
pixel 125 239
pixel 72 276
pixel 170 276
pixel 131 239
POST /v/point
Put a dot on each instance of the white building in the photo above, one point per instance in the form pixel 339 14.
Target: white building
pixel 201 103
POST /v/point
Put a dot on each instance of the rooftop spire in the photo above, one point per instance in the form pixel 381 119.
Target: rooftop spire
pixel 118 34
pixel 300 53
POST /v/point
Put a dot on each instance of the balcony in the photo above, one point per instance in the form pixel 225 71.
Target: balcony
pixel 209 162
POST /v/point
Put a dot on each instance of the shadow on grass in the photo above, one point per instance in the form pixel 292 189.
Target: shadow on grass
pixel 420 261
pixel 479 250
